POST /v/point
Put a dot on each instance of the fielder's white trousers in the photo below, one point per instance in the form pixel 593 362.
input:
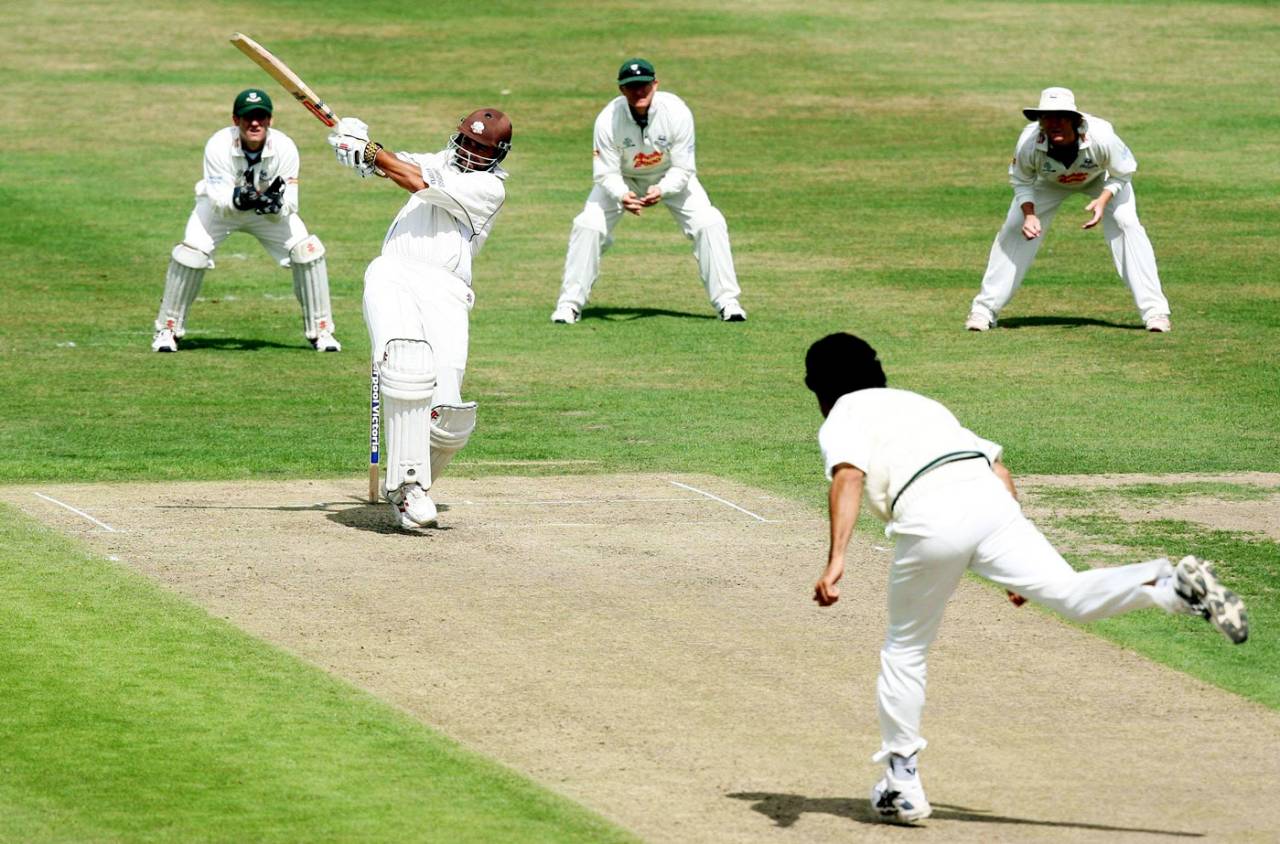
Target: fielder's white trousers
pixel 1012 254
pixel 698 219
pixel 413 300
pixel 961 517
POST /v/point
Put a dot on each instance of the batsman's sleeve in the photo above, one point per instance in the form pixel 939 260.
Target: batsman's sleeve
pixel 683 163
pixel 470 198
pixel 606 162
pixel 843 441
pixel 287 168
pixel 1022 169
pixel 1119 161
pixel 219 176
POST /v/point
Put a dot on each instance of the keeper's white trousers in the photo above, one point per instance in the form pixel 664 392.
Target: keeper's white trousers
pixel 698 219
pixel 1012 254
pixel 959 517
pixel 414 300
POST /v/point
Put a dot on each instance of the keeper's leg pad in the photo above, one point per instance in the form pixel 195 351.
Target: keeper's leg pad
pixel 451 427
pixel 407 378
pixel 182 282
pixel 311 286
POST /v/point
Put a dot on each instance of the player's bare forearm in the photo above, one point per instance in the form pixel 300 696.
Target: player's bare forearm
pixel 404 173
pixel 844 499
pixel 1006 478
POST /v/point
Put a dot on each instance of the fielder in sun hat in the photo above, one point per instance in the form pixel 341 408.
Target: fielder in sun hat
pixel 1053 99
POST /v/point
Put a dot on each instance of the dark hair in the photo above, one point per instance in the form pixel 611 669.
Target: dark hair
pixel 839 364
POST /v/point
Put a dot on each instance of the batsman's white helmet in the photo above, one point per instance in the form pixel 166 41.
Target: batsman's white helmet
pixel 483 139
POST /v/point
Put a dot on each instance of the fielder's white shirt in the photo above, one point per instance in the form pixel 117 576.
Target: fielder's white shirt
pixel 1102 155
pixel 890 435
pixel 447 223
pixel 225 168
pixel 665 147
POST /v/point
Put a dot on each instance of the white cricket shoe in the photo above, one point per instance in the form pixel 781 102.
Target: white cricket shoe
pixel 565 315
pixel 164 341
pixel 731 311
pixel 1159 324
pixel 1196 583
pixel 414 508
pixel 326 342
pixel 899 801
pixel 978 321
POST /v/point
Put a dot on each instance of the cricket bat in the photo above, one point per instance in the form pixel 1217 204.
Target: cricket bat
pixel 280 72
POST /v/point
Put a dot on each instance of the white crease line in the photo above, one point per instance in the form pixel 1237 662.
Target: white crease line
pixel 102 525
pixel 552 502
pixel 721 500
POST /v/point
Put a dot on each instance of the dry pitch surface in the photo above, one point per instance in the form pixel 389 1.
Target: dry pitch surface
pixel 646 645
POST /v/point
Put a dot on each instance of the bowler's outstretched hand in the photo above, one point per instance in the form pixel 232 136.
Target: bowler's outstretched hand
pixel 827 590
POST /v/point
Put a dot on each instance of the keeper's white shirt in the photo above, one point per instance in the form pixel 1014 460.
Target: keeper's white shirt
pixel 665 147
pixel 225 165
pixel 1102 155
pixel 890 435
pixel 446 224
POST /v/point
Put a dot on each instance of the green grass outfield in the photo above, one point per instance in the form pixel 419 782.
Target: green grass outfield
pixel 858 151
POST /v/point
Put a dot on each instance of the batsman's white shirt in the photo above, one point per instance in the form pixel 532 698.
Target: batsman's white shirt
pixel 225 169
pixel 892 434
pixel 446 224
pixel 663 148
pixel 1102 155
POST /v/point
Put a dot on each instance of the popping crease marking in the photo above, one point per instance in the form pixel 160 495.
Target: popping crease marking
pixel 755 516
pixel 102 525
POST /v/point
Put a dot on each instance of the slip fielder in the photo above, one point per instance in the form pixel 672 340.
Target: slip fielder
pixel 250 184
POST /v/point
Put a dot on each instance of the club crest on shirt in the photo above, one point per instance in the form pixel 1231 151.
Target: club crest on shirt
pixel 1088 163
pixel 627 143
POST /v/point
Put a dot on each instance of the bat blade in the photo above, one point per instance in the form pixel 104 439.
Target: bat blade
pixel 290 81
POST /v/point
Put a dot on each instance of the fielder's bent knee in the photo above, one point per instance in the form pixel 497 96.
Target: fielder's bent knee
pixel 592 219
pixel 705 219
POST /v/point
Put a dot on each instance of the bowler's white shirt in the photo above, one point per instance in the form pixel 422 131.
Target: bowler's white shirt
pixel 1102 155
pixel 665 147
pixel 890 435
pixel 447 223
pixel 225 165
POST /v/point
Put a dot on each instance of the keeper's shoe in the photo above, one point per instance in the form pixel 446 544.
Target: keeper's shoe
pixel 731 311
pixel 164 341
pixel 978 321
pixel 1197 584
pixel 1159 324
pixel 414 508
pixel 899 801
pixel 326 342
pixel 565 315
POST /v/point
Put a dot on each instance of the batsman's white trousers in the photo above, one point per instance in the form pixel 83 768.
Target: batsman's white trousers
pixel 592 235
pixel 1012 254
pixel 206 229
pixel 959 517
pixel 413 300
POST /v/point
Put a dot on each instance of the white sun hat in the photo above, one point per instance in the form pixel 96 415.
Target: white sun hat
pixel 1053 99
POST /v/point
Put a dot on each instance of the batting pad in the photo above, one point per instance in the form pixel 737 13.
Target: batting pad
pixel 407 377
pixel 311 286
pixel 182 282
pixel 451 427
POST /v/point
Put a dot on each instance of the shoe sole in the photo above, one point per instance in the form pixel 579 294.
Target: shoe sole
pixel 1216 603
pixel 888 809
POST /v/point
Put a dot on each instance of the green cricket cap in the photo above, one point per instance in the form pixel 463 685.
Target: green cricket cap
pixel 635 71
pixel 249 100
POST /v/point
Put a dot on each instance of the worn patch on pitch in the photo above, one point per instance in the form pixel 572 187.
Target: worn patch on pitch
pixel 647 645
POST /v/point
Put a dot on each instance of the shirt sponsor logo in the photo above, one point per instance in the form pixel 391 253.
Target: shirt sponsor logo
pixel 642 160
pixel 1072 178
pixel 627 143
pixel 1088 163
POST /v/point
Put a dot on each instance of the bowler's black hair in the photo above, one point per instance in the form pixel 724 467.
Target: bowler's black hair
pixel 839 364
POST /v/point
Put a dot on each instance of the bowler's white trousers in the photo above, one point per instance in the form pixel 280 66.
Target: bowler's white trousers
pixel 959 517
pixel 699 220
pixel 1012 254
pixel 414 300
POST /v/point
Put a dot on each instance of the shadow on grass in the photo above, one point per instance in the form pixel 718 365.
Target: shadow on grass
pixel 1067 322
pixel 235 344
pixel 628 314
pixel 785 809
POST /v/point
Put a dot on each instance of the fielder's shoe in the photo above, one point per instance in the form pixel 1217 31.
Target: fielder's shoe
pixel 1197 584
pixel 899 801
pixel 326 342
pixel 565 315
pixel 1159 324
pixel 731 311
pixel 414 508
pixel 978 321
pixel 164 341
